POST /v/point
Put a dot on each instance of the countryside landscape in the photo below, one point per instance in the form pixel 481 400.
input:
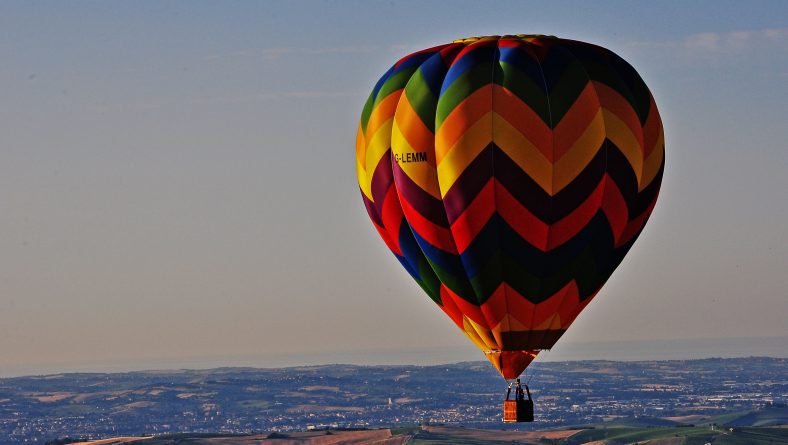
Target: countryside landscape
pixel 598 400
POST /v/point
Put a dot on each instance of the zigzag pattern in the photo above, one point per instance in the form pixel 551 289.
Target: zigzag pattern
pixel 524 167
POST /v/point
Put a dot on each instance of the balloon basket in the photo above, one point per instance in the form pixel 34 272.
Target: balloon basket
pixel 520 409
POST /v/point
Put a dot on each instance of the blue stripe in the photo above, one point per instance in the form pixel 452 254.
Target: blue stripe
pixel 449 262
pixel 477 56
pixel 410 249
pixel 524 62
pixel 433 70
pixel 414 61
pixel 382 81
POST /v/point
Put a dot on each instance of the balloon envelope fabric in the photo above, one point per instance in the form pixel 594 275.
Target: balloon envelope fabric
pixel 510 175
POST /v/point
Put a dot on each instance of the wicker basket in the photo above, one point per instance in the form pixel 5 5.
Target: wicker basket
pixel 518 411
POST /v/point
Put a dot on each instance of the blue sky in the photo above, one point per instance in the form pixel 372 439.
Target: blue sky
pixel 177 177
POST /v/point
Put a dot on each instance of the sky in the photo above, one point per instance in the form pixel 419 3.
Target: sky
pixel 177 178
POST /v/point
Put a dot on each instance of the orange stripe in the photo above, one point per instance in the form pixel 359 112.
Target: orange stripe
pixel 520 116
pixel 462 117
pixel 382 113
pixel 412 127
pixel 614 102
pixel 575 121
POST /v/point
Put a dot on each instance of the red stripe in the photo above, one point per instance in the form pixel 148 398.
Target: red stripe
pixel 549 307
pixel 387 239
pixel 428 50
pixel 436 235
pixel 495 308
pixel 570 225
pixel 474 217
pixel 470 310
pixel 392 217
pixel 473 46
pixel 451 309
pixel 576 310
pixel 615 208
pixel 569 303
pixel 636 225
pixel 525 223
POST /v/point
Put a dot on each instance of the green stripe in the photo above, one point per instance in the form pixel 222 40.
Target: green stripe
pixel 422 99
pixel 634 91
pixel 502 267
pixel 489 279
pixel 523 86
pixel 457 284
pixel 394 83
pixel 565 92
pixel 366 113
pixel 429 282
pixel 460 89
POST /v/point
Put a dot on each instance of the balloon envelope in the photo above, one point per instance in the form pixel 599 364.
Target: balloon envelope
pixel 510 176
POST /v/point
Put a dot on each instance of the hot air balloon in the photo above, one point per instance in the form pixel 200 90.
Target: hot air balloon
pixel 510 175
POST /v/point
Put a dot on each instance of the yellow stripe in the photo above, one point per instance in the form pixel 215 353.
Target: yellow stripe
pixel 361 168
pixel 361 144
pixel 471 333
pixel 464 116
pixel 566 169
pixel 620 134
pixel 384 111
pixel 524 153
pixel 378 144
pixel 377 140
pixel 553 322
pixel 653 162
pixel 483 333
pixel 410 135
pixel 421 173
pixel 507 324
pixel 464 151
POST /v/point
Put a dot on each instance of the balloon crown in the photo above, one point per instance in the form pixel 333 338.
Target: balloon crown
pixel 506 36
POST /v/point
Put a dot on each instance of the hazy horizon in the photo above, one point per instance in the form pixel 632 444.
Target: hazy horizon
pixel 643 350
pixel 177 178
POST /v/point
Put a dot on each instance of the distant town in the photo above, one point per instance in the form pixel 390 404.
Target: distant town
pixel 245 400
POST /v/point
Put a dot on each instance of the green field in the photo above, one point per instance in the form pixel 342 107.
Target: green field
pixel 686 435
pixel 254 404
pixel 750 427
